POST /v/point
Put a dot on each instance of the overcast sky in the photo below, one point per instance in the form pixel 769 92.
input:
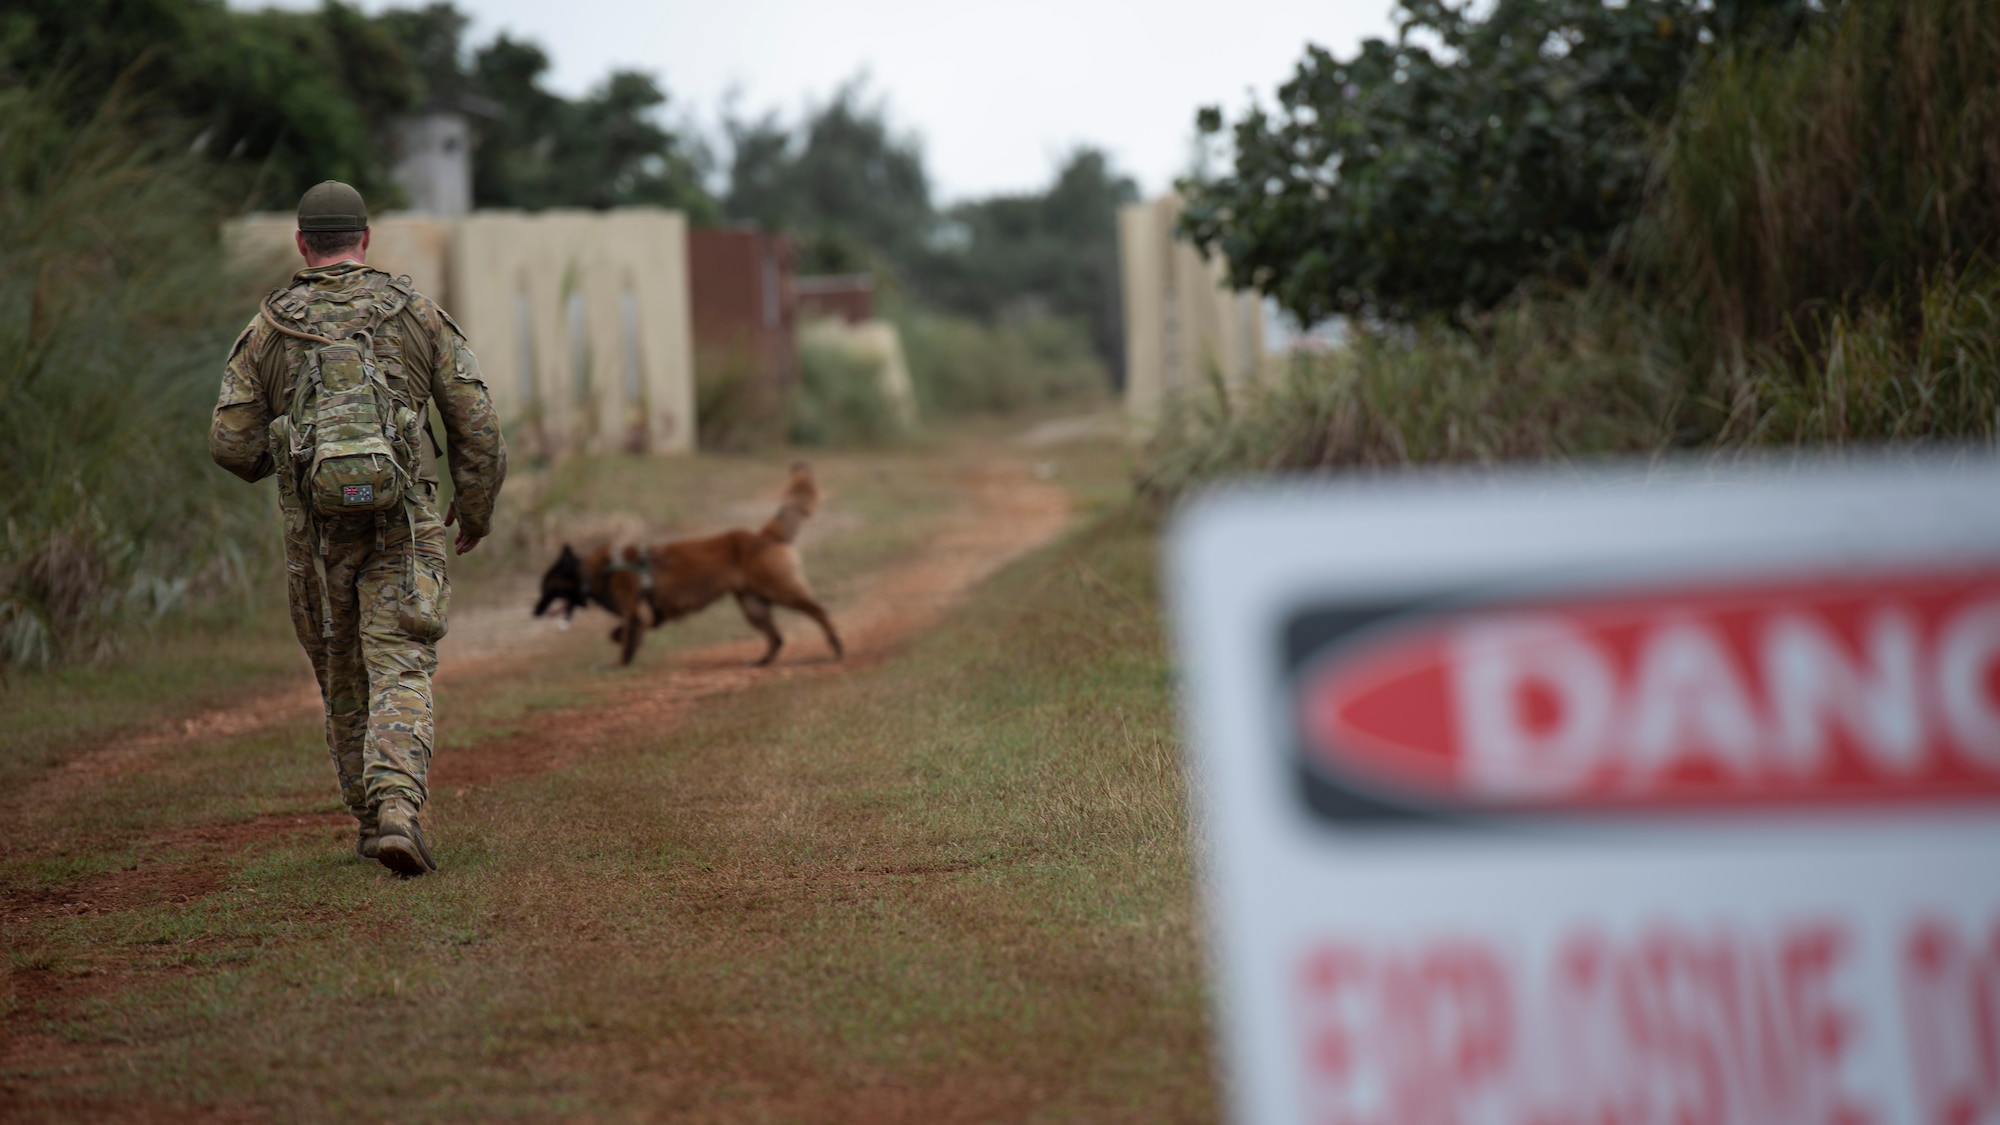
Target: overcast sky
pixel 998 92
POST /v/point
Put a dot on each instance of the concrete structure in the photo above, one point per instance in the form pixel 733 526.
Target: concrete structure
pixel 580 318
pixel 849 297
pixel 434 162
pixel 1184 328
pixel 745 311
pixel 585 318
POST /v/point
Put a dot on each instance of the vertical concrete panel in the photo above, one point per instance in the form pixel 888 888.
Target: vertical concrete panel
pixel 643 267
pixel 503 298
pixel 1184 327
pixel 629 386
pixel 1140 269
pixel 667 334
pixel 413 245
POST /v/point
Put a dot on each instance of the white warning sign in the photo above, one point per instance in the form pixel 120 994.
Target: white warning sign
pixel 1602 800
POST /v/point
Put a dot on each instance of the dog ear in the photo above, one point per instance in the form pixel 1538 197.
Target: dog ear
pixel 567 555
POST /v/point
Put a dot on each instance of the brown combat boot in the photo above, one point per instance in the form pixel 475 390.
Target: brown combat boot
pixel 399 839
pixel 364 843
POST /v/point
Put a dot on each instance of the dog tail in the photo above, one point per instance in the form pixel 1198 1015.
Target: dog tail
pixel 801 497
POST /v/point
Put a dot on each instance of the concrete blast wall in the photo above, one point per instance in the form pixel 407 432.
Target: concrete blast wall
pixel 1183 325
pixel 579 318
pixel 585 321
pixel 417 245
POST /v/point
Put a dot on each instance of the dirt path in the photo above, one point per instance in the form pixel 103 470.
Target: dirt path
pixel 1007 511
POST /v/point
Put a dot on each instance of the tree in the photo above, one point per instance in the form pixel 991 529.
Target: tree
pixel 1057 250
pixel 1435 173
pixel 284 98
pixel 846 184
pixel 607 150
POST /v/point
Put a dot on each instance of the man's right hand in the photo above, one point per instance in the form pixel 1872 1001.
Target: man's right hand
pixel 466 541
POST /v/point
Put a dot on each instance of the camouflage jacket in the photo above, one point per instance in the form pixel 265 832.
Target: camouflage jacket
pixel 423 356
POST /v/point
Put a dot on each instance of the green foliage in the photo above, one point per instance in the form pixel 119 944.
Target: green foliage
pixel 114 309
pixel 1880 375
pixel 853 191
pixel 734 408
pixel 1812 265
pixel 856 197
pixel 284 99
pixel 1056 250
pixel 607 150
pixel 840 399
pixel 1436 173
pixel 281 100
pixel 963 366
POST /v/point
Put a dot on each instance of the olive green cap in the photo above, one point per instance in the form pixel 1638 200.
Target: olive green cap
pixel 332 206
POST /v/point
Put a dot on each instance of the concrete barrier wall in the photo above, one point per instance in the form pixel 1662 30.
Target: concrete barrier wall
pixel 417 245
pixel 579 318
pixel 1183 325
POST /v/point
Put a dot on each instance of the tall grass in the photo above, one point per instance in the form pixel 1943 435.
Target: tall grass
pixel 1589 374
pixel 1563 376
pixel 115 314
pixel 1850 171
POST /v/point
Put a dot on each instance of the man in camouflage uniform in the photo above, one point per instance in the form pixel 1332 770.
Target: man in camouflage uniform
pixel 353 579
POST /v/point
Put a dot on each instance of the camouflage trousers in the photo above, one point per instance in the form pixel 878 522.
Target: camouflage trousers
pixel 371 631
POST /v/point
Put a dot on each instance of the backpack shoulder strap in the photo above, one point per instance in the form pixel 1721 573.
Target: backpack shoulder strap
pixel 272 318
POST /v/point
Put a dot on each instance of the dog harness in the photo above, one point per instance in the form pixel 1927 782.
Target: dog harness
pixel 637 566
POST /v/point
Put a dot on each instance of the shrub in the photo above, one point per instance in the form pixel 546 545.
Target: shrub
pixel 840 399
pixel 963 366
pixel 115 314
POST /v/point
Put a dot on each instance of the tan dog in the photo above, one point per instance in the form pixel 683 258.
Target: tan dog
pixel 761 568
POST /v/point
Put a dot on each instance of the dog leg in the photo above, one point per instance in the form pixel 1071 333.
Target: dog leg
pixel 757 611
pixel 629 634
pixel 805 604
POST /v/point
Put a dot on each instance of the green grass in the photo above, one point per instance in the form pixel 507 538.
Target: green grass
pixel 952 886
pixel 181 671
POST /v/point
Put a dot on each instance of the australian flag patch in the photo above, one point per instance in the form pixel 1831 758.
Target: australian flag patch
pixel 357 494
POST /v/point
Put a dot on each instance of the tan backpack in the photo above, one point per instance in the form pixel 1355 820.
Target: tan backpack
pixel 345 444
pixel 349 446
